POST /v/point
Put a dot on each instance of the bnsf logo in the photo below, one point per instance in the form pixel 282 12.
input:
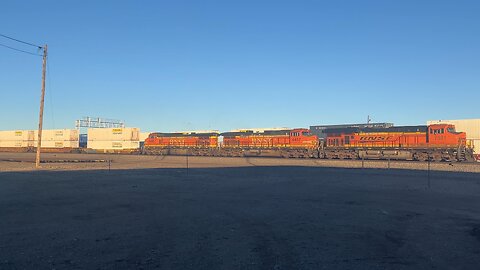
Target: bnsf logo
pixel 375 138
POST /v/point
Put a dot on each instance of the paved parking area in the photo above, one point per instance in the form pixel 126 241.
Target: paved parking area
pixel 256 217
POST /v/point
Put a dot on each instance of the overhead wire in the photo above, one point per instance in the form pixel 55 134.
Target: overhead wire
pixel 35 54
pixel 18 50
pixel 24 42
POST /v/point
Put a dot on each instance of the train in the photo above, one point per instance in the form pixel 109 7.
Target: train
pixel 436 142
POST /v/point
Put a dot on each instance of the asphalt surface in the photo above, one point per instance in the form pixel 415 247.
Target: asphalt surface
pixel 256 217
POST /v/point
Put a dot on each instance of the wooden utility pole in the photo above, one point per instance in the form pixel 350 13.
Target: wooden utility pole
pixel 42 98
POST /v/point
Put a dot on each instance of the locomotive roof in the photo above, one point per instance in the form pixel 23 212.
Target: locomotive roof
pixel 250 133
pixel 374 130
pixel 180 134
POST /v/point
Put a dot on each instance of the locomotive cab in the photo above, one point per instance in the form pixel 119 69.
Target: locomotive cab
pixel 302 137
pixel 445 135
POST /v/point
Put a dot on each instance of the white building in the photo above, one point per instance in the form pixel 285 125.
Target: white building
pixel 470 126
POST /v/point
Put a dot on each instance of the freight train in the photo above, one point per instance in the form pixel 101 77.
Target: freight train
pixel 439 142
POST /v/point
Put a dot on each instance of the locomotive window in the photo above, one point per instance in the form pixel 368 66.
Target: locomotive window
pixel 442 130
pixel 451 130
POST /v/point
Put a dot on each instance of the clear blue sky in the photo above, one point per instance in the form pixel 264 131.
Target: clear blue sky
pixel 177 65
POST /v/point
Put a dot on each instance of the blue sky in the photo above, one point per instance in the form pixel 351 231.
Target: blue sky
pixel 178 65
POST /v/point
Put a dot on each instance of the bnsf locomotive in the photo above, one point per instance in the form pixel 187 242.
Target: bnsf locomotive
pixel 198 144
pixel 434 142
pixel 286 143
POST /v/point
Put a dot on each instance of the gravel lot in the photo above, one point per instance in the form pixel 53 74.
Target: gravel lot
pixel 25 162
pixel 153 213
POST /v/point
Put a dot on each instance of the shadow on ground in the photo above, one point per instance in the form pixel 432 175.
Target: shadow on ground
pixel 240 218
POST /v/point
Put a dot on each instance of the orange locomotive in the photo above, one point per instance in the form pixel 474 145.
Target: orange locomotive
pixel 437 142
pixel 287 143
pixel 434 142
pixel 177 143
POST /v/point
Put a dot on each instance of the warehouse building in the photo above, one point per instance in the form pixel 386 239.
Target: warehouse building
pixel 471 127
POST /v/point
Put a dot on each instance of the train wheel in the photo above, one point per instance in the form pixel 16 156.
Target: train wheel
pixel 421 156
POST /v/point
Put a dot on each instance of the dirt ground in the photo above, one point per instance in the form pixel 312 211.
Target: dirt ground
pixel 236 213
pixel 26 162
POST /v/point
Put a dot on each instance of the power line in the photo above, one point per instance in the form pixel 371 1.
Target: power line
pixel 18 50
pixel 24 42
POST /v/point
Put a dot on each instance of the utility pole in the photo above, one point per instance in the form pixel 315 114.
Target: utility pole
pixel 42 98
